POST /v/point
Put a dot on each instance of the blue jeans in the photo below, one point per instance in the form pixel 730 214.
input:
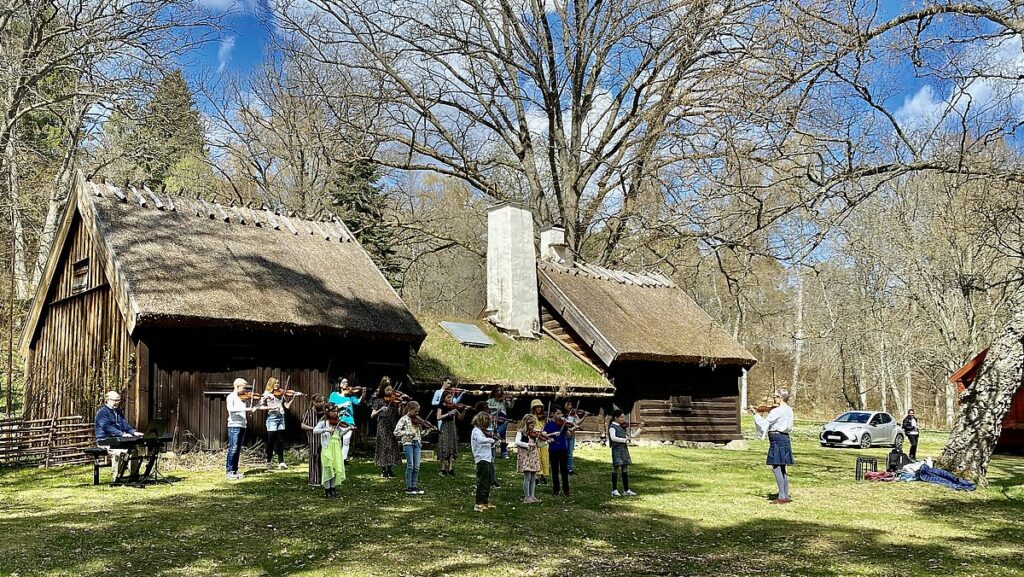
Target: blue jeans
pixel 236 436
pixel 412 464
pixel 572 449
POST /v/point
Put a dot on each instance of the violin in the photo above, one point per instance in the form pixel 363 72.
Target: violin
pixel 763 408
pixel 628 425
pixel 421 422
pixel 456 406
pixel 539 435
pixel 396 398
pixel 288 393
pixel 250 396
pixel 338 423
pixel 350 391
pixel 560 422
pixel 579 414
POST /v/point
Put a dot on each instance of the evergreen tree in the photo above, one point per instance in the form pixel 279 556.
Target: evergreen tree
pixel 358 200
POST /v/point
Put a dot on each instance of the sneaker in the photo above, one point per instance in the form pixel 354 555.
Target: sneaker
pixel 419 491
pixel 495 485
pixel 571 472
pixel 442 472
pixel 616 493
pixel 411 492
pixel 479 508
pixel 282 465
pixel 629 493
pixel 489 506
pixel 239 475
pixel 232 476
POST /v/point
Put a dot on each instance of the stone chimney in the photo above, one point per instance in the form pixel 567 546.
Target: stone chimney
pixel 553 247
pixel 512 271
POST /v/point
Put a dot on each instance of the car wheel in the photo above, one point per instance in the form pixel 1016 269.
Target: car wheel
pixel 897 443
pixel 865 441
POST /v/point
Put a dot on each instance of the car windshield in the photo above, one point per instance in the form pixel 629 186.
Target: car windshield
pixel 853 418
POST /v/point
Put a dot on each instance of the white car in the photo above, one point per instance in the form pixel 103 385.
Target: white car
pixel 861 429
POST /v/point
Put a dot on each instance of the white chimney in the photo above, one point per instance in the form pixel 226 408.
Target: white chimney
pixel 552 245
pixel 512 271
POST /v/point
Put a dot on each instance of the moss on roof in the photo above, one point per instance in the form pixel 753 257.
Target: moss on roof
pixel 523 363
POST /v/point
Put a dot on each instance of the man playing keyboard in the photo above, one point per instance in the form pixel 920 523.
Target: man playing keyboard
pixel 110 422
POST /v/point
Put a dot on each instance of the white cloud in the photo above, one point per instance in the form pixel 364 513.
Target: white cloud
pixel 922 108
pixel 227 45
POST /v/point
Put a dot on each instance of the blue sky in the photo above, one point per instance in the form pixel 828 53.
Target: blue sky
pixel 240 45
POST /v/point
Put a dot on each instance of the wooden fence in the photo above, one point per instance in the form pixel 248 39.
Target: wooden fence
pixel 45 442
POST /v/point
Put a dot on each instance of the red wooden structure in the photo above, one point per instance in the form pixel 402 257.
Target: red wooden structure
pixel 1011 439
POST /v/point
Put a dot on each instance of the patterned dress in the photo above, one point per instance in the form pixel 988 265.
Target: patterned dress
pixel 528 460
pixel 313 442
pixel 388 452
pixel 448 440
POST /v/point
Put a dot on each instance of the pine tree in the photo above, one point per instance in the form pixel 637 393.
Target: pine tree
pixel 358 200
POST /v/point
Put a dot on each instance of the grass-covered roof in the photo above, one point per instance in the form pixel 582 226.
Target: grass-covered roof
pixel 541 365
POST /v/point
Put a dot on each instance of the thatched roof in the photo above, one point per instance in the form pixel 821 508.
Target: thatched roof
pixel 627 316
pixel 528 366
pixel 186 262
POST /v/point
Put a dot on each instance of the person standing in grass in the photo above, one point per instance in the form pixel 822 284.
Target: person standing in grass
pixel 409 435
pixel 331 429
pixel 558 453
pixel 448 439
pixel 309 420
pixel 777 425
pixel 237 422
pixel 539 413
pixel 618 439
pixel 345 400
pixel 275 403
pixel 385 409
pixel 528 462
pixel 498 405
pixel 483 455
pixel 913 433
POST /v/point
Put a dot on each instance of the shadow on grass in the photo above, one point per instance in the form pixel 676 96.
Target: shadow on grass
pixel 272 524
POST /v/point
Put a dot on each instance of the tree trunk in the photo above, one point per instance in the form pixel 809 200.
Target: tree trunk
pixel 21 283
pixel 743 390
pixel 862 385
pixel 987 400
pixel 798 335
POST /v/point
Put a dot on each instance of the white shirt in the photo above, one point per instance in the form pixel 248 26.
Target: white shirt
pixel 482 445
pixel 779 420
pixel 236 412
pixel 613 437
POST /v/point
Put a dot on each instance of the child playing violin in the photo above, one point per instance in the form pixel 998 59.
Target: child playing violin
pixel 331 431
pixel 618 438
pixel 483 455
pixel 275 402
pixel 409 434
pixel 558 452
pixel 575 419
pixel 528 462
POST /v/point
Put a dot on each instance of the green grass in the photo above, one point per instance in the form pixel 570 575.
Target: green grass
pixel 507 362
pixel 701 512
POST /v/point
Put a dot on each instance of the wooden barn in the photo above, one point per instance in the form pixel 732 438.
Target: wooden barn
pixel 672 365
pixel 170 299
pixel 1011 435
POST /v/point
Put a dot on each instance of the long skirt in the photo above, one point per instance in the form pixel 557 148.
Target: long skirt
pixel 332 462
pixel 448 441
pixel 545 460
pixel 314 461
pixel 388 452
pixel 780 450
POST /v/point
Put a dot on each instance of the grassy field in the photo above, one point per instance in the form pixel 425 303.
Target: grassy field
pixel 700 512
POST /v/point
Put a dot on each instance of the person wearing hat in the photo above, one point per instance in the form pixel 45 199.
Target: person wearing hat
pixel 237 422
pixel 538 411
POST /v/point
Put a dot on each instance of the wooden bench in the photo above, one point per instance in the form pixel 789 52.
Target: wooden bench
pixel 100 458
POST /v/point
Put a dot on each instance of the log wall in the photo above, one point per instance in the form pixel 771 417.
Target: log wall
pixel 82 345
pixel 192 374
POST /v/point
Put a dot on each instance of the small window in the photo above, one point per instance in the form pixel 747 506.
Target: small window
pixel 80 275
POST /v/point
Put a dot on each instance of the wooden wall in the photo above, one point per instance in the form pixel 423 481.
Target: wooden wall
pixel 681 401
pixel 1011 438
pixel 82 346
pixel 192 373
